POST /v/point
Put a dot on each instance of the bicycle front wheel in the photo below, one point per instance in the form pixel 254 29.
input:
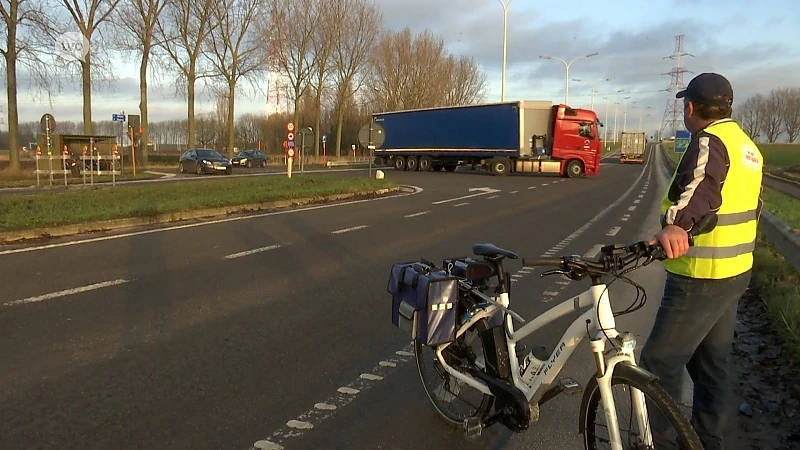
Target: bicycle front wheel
pixel 667 424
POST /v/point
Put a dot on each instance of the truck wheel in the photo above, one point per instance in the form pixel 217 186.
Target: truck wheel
pixel 574 169
pixel 451 167
pixel 425 163
pixel 411 163
pixel 399 163
pixel 500 166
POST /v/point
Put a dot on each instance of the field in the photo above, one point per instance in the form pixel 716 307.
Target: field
pixel 783 156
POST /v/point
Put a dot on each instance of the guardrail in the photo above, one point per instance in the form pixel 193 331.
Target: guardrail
pixel 364 162
pixel 785 240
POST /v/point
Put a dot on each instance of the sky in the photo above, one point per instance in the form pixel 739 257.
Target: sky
pixel 751 45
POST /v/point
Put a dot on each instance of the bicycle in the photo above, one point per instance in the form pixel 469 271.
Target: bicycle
pixel 515 386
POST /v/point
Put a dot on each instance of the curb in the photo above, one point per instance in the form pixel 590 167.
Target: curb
pixel 785 180
pixel 203 214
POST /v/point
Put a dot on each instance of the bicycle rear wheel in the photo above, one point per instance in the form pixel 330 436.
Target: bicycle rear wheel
pixel 447 394
pixel 681 435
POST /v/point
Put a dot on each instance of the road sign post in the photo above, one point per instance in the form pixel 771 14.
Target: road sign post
pixel 371 136
pixel 290 148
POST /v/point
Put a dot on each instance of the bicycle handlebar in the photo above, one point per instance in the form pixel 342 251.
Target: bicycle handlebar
pixel 612 258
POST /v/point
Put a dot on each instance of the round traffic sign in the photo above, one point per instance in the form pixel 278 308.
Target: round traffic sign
pixel 290 126
pixel 371 134
pixel 285 144
pixel 290 136
pixel 290 152
pixel 47 123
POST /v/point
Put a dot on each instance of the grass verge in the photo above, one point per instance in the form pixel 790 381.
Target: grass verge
pixel 776 280
pixel 23 178
pixel 53 209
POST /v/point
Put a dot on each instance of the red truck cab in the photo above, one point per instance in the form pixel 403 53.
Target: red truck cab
pixel 576 136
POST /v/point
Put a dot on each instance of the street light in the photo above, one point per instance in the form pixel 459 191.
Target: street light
pixel 616 105
pixel 605 122
pixel 594 90
pixel 625 121
pixel 641 113
pixel 566 65
pixel 505 36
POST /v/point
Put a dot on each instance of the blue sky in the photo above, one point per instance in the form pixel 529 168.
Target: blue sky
pixel 750 45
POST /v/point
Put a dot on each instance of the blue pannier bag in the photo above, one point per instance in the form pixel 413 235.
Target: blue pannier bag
pixel 424 302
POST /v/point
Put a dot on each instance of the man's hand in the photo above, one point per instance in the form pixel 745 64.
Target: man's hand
pixel 674 240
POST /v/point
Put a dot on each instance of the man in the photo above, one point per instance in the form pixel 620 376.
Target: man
pixel 720 173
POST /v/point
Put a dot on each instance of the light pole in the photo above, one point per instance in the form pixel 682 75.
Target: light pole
pixel 641 113
pixel 566 65
pixel 605 122
pixel 505 38
pixel 625 120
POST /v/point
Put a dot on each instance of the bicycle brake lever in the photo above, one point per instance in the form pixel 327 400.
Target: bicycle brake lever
pixel 554 272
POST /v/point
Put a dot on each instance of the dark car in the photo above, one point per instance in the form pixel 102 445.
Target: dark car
pixel 250 158
pixel 203 160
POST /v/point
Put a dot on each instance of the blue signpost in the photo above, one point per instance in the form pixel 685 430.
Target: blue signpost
pixel 118 117
pixel 682 138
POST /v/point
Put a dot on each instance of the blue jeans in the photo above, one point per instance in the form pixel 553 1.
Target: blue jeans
pixel 694 329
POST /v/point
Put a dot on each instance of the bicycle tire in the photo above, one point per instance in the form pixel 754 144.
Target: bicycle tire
pixel 482 411
pixel 655 393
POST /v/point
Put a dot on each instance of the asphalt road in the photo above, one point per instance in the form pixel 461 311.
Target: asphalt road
pixel 791 189
pixel 220 335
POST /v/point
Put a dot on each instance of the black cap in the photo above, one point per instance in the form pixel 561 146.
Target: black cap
pixel 709 88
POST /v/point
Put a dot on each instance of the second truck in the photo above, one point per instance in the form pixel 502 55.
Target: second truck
pixel 507 137
pixel 632 147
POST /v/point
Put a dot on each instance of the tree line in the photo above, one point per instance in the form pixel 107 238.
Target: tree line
pixel 772 117
pixel 336 57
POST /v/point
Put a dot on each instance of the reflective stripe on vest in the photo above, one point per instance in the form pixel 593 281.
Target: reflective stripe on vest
pixel 727 250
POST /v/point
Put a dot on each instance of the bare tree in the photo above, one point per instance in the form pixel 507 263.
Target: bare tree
pixel 771 110
pixel 467 84
pixel 235 51
pixel 351 51
pixel 323 41
pixel 291 33
pixel 24 22
pixel 88 15
pixel 749 115
pixel 182 30
pixel 207 127
pixel 790 112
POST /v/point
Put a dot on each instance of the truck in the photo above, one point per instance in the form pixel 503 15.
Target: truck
pixel 632 146
pixel 524 136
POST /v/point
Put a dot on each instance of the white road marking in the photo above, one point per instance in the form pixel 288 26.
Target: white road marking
pixel 251 252
pixel 326 409
pixel 417 190
pixel 641 195
pixel 460 204
pixel 625 219
pixel 387 364
pixel 551 293
pixel 418 214
pixel 545 184
pixel 484 191
pixel 299 424
pixel 494 196
pixel 533 187
pixel 346 230
pixel 67 292
pixel 613 231
pixel 632 208
pixel 593 252
pixel 516 276
pixel 513 192
pixel 371 377
pixel 636 201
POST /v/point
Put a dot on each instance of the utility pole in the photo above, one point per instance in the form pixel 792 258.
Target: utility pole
pixel 673 111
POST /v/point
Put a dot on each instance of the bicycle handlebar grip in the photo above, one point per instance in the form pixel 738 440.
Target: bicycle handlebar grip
pixel 534 262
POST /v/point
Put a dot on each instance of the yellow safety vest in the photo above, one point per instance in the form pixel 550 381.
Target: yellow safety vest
pixel 727 250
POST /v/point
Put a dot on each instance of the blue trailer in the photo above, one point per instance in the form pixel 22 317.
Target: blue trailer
pixel 519 136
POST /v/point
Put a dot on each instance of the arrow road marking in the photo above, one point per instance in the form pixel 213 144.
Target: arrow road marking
pixel 482 191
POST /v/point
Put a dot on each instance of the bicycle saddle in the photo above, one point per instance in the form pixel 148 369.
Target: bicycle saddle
pixel 492 251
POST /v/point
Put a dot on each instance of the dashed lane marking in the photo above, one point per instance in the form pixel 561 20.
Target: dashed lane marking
pixel 460 204
pixel 422 213
pixel 593 252
pixel 66 292
pixel 632 208
pixel 347 230
pixel 613 231
pixel 253 251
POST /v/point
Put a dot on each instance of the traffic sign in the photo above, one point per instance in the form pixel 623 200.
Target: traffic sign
pixel 371 134
pixel 290 126
pixel 324 138
pixel 47 123
pixel 682 138
pixel 118 117
pixel 290 152
pixel 291 136
pixel 285 144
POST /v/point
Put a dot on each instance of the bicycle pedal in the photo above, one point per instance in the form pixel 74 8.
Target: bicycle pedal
pixel 570 386
pixel 473 428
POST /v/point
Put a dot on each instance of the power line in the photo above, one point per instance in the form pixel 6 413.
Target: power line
pixel 673 111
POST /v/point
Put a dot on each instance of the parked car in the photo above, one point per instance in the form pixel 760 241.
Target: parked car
pixel 250 158
pixel 204 160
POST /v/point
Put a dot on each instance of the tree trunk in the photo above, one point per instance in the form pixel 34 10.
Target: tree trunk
pixel 231 125
pixel 318 121
pixel 339 126
pixel 143 105
pixel 13 115
pixel 86 81
pixel 191 77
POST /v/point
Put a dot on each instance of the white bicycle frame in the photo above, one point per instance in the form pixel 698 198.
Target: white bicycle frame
pixel 601 326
